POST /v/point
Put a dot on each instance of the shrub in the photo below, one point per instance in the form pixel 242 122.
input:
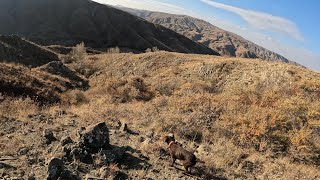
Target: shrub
pixel 115 50
pixel 148 50
pixel 77 54
pixel 155 49
pixel 123 90
pixel 18 108
pixel 74 97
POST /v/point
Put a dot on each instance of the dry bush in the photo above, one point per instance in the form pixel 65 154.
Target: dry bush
pixel 86 68
pixel 228 106
pixel 77 54
pixel 155 49
pixel 148 50
pixel 123 90
pixel 18 108
pixel 115 50
pixel 74 97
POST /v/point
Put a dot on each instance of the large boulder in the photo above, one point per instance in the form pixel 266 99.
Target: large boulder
pixel 95 137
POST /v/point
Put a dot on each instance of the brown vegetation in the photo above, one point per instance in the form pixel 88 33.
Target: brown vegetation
pixel 245 119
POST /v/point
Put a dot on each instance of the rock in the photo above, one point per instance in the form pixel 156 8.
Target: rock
pixel 66 140
pixel 55 168
pixel 68 175
pixel 95 137
pixel 5 166
pixel 32 160
pixel 142 139
pixel 112 155
pixel 32 177
pixel 81 154
pixel 48 136
pixel 23 151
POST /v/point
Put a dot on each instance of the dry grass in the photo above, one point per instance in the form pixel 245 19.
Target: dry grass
pixel 247 104
pixel 252 118
pixel 18 108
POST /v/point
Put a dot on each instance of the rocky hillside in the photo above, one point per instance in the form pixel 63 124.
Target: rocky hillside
pixel 30 70
pixel 245 119
pixel 224 42
pixel 44 84
pixel 61 22
pixel 13 49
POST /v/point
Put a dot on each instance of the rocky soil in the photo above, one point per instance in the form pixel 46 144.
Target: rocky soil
pixel 100 151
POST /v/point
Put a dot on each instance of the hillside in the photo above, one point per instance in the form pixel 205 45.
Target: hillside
pixel 222 41
pixel 13 49
pixel 246 119
pixel 61 22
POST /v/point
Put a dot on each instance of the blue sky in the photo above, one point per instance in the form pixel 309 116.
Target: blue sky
pixel 288 27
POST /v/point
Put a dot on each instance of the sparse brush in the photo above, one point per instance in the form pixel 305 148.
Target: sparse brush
pixel 18 108
pixel 126 90
pixel 74 97
pixel 114 50
pixel 77 54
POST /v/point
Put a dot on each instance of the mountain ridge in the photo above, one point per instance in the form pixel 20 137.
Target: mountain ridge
pixel 59 22
pixel 224 42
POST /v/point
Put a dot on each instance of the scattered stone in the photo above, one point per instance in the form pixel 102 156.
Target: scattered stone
pixel 48 136
pixel 142 139
pixel 32 177
pixel 95 137
pixel 66 140
pixel 23 151
pixel 43 118
pixel 5 166
pixel 55 168
pixel 32 160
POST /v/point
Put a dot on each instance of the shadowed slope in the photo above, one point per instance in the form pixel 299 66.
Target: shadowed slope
pixel 70 22
pixel 17 50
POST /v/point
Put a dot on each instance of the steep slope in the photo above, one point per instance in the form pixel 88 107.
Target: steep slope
pixel 224 42
pixel 62 22
pixel 16 50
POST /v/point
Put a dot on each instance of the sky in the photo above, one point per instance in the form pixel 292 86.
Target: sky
pixel 287 27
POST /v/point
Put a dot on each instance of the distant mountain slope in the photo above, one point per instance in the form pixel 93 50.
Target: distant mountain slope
pixel 68 22
pixel 13 49
pixel 224 42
